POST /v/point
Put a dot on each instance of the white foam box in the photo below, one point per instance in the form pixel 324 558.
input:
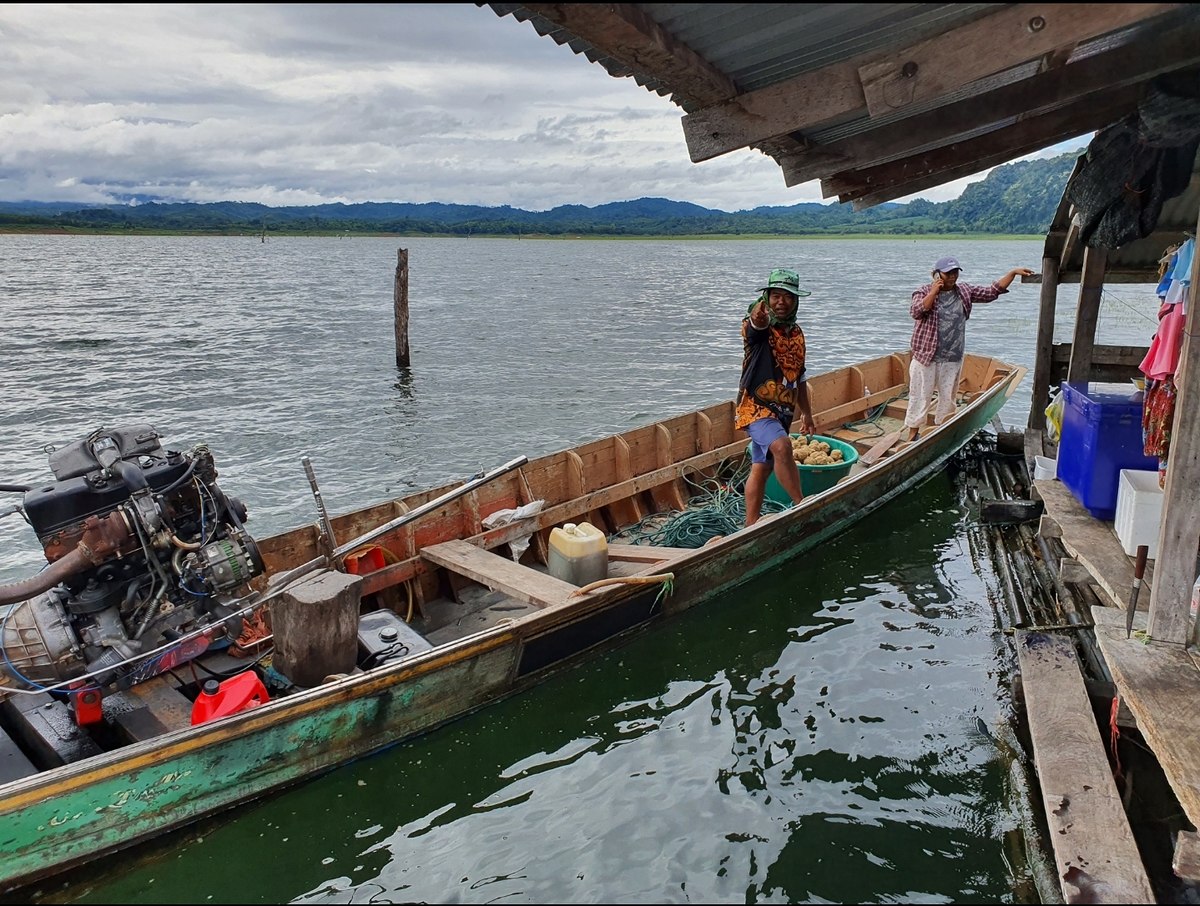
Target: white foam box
pixel 1045 468
pixel 1139 510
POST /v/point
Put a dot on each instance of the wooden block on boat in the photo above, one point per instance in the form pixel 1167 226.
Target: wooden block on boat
pixel 13 763
pixel 169 706
pixel 499 573
pixel 47 731
pixel 315 627
pixel 148 709
pixel 884 444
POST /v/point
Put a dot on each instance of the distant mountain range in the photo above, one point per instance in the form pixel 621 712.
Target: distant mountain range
pixel 1018 198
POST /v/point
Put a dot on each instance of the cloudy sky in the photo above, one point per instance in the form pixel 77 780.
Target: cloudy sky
pixel 297 104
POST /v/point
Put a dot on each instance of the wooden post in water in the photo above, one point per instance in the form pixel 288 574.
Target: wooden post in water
pixel 400 307
pixel 1044 355
pixel 1087 314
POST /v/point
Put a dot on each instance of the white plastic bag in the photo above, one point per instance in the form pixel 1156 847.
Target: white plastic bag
pixel 517 546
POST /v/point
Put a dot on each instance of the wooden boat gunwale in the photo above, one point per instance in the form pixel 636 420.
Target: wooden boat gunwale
pixel 306 721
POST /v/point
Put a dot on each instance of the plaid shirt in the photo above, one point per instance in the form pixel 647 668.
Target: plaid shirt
pixel 925 330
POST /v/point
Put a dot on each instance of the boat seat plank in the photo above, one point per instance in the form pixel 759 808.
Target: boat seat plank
pixel 646 553
pixel 1094 849
pixel 498 573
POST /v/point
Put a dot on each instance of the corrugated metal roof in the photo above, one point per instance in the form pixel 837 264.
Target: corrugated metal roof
pixel 760 44
pixel 864 96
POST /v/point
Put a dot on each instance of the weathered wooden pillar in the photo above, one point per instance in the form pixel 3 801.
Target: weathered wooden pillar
pixel 400 307
pixel 1045 345
pixel 315 627
pixel 1091 285
pixel 1179 531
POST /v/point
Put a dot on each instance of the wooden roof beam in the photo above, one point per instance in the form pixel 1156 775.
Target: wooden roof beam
pixel 904 177
pixel 922 72
pixel 1124 65
pixel 625 33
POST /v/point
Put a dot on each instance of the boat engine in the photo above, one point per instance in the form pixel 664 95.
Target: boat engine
pixel 143 550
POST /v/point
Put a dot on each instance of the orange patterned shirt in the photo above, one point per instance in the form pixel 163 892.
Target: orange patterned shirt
pixel 772 368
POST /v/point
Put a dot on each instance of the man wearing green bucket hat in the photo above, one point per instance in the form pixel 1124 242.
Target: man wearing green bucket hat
pixel 772 388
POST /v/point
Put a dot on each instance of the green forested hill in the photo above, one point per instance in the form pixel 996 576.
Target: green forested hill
pixel 1016 198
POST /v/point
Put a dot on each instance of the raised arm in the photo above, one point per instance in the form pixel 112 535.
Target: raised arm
pixel 1005 281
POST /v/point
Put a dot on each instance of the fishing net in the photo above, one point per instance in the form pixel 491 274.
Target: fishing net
pixel 1132 167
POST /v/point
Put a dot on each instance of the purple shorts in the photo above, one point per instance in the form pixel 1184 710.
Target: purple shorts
pixel 763 433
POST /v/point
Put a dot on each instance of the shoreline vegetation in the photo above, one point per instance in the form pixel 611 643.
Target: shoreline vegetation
pixel 1013 201
pixel 530 237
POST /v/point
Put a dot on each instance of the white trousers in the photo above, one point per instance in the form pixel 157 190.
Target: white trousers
pixel 923 380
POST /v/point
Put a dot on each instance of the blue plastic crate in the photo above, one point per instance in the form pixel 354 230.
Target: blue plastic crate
pixel 1101 435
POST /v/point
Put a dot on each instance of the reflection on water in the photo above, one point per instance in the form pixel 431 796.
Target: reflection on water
pixel 811 737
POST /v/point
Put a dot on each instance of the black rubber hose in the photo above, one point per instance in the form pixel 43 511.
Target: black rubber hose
pixel 131 474
pixel 55 573
pixel 180 480
pixel 16 488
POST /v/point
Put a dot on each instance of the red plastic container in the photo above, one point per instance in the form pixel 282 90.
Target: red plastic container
pixel 235 694
pixel 365 561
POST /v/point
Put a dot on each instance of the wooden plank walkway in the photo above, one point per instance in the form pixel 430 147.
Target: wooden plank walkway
pixel 1160 683
pixel 1094 849
pixel 1092 543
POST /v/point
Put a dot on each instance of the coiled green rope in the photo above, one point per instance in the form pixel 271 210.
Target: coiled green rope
pixel 871 419
pixel 717 508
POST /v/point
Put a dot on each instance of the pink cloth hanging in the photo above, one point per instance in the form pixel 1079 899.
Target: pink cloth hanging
pixel 1162 358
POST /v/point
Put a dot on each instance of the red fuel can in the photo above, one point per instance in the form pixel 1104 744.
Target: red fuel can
pixel 222 699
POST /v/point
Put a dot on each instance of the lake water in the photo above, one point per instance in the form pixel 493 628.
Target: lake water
pixel 821 736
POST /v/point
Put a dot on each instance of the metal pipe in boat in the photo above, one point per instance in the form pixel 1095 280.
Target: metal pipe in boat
pixel 466 488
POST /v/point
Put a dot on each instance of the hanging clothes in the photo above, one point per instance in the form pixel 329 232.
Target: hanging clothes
pixel 1181 275
pixel 1158 413
pixel 1165 271
pixel 1162 358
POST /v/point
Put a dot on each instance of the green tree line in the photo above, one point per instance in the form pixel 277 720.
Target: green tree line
pixel 1018 198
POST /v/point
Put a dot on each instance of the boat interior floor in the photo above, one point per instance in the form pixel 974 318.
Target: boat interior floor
pixel 489 589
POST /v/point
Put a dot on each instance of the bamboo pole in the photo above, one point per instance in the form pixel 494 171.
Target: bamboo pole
pixel 400 308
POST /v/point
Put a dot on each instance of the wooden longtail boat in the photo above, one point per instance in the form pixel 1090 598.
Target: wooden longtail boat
pixel 480 626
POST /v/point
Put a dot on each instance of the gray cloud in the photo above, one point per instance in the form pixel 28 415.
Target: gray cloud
pixel 312 103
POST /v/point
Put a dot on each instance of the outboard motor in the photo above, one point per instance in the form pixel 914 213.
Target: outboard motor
pixel 143 549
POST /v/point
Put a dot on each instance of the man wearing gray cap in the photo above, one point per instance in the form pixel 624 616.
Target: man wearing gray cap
pixel 941 309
